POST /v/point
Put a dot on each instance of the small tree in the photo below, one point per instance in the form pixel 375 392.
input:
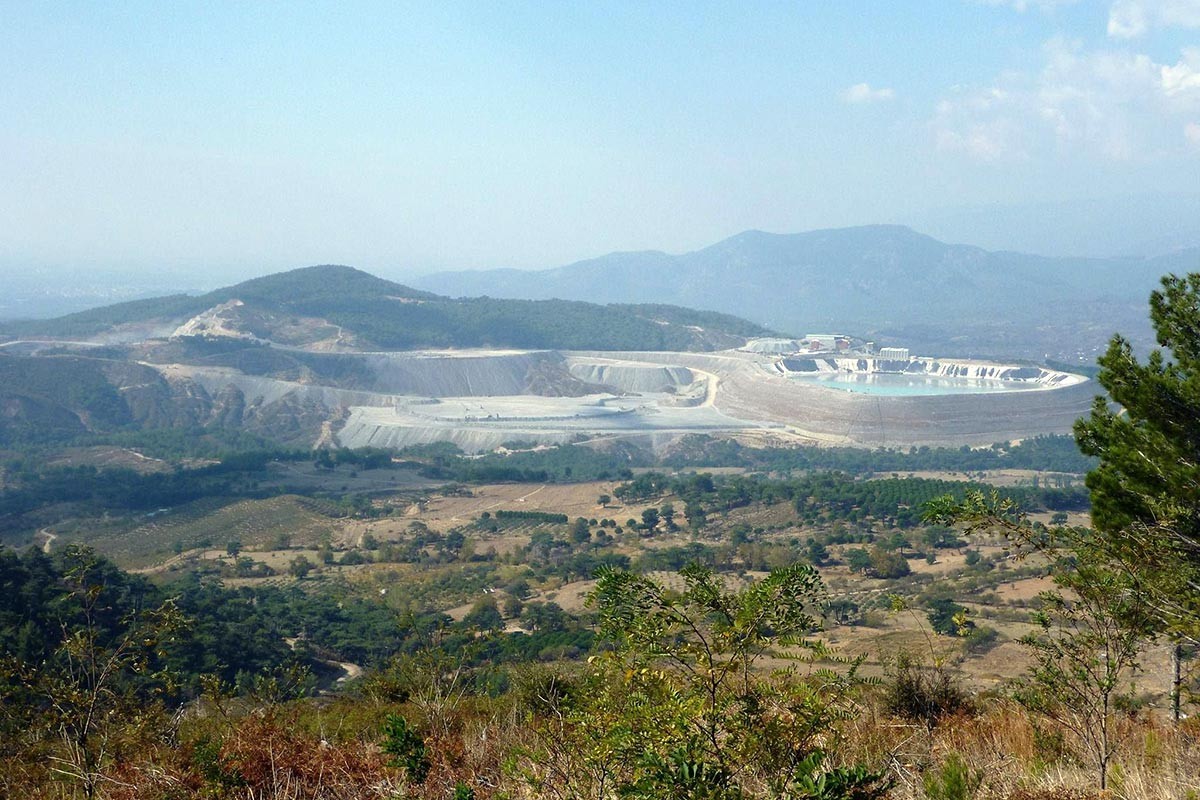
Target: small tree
pixel 484 615
pixel 513 606
pixel 678 710
pixel 924 694
pixel 954 780
pixel 299 567
pixel 667 511
pixel 858 559
pixel 406 747
pixel 1091 631
pixel 888 564
pixel 1089 639
pixel 817 553
pixel 949 618
pixel 580 531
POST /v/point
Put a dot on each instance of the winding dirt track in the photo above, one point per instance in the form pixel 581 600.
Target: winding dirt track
pixel 47 537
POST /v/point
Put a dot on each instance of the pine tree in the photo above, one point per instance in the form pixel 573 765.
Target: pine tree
pixel 1146 491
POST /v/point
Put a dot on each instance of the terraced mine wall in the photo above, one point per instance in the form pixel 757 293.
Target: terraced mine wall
pixel 440 375
pixel 632 377
pixel 530 420
pixel 264 391
pixel 669 394
pixel 943 420
pixel 389 375
pixel 365 427
pixel 454 375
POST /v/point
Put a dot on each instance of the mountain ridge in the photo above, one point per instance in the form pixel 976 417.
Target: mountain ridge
pixel 887 281
pixel 305 306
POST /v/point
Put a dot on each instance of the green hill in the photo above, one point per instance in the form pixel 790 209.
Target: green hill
pixel 381 314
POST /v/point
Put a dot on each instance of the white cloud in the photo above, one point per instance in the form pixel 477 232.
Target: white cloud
pixel 1128 19
pixel 1191 132
pixel 1183 79
pixel 863 93
pixel 1115 104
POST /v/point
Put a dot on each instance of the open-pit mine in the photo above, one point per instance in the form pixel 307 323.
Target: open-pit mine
pixel 482 400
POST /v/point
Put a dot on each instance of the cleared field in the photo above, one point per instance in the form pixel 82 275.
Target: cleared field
pixel 109 458
pixel 446 512
pixel 306 476
pixel 1001 477
pixel 214 523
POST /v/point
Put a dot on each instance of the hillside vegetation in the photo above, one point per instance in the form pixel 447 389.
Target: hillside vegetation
pixel 342 624
pixel 380 314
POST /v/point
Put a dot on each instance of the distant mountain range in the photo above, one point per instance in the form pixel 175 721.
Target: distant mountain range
pixel 883 281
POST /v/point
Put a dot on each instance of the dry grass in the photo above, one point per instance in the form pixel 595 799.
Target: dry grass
pixel 1020 761
pixel 575 500
pixel 314 750
pixel 255 523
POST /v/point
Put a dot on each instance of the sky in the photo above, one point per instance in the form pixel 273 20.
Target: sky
pixel 230 139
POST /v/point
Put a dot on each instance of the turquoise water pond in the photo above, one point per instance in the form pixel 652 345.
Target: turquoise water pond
pixel 893 385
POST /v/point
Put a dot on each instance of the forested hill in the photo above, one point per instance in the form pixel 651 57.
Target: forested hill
pixel 308 305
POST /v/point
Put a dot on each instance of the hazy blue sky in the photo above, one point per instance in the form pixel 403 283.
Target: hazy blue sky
pixel 403 138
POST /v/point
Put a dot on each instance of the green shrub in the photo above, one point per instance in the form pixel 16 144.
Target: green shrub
pixel 953 780
pixel 406 747
pixel 924 694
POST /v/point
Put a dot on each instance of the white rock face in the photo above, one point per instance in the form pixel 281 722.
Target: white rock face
pixel 220 320
pixel 632 377
pixel 477 423
pixel 481 399
pixel 772 346
pixel 435 374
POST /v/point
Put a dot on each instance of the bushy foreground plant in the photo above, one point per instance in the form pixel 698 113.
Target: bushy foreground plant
pixel 924 694
pixel 678 709
pixel 78 705
pixel 406 747
pixel 953 780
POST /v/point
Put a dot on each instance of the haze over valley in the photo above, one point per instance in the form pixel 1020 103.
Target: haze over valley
pixel 884 282
pixel 600 401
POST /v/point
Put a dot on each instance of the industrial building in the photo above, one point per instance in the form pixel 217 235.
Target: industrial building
pixel 827 341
